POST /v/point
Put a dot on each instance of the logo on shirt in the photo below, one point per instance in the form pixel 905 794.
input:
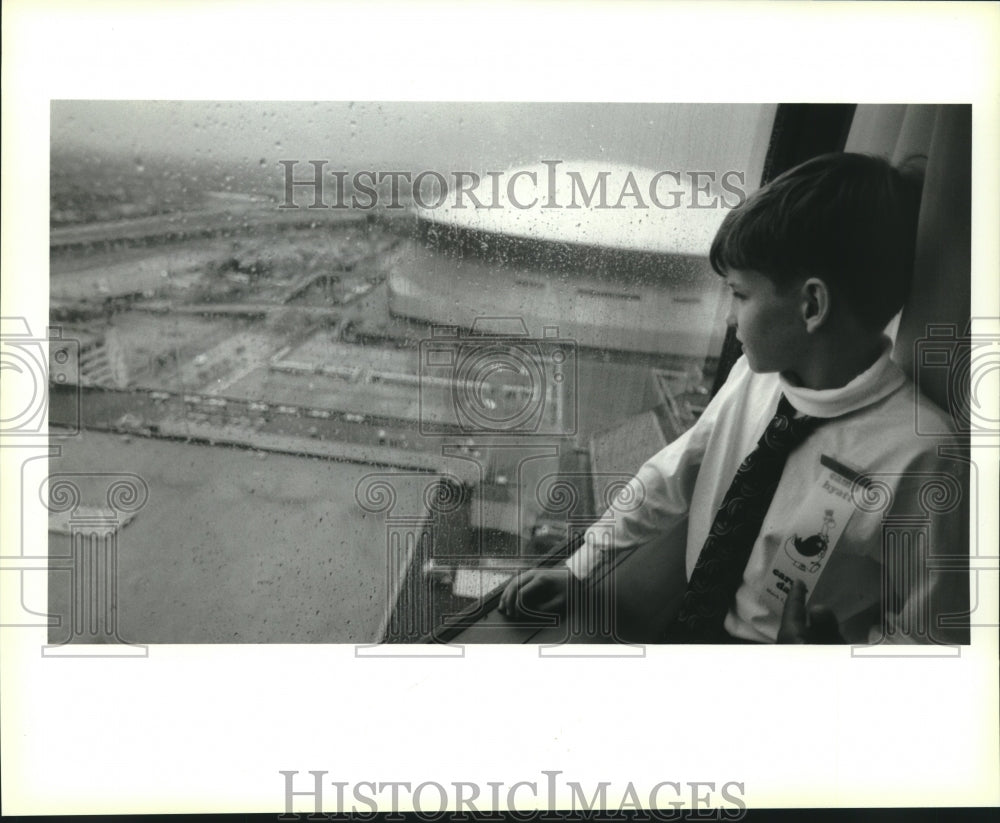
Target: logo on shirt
pixel 813 532
pixel 807 553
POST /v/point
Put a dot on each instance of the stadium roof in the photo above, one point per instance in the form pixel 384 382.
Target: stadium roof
pixel 661 211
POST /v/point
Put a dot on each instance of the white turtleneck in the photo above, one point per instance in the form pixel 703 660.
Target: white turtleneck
pixel 879 380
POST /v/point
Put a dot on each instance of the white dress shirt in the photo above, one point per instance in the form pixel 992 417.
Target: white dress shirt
pixel 847 539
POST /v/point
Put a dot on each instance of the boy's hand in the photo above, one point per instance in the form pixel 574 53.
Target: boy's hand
pixel 799 625
pixel 537 590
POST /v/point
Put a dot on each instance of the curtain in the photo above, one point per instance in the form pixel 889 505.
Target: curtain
pixel 936 316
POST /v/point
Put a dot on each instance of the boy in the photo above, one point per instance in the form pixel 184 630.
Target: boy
pixel 793 478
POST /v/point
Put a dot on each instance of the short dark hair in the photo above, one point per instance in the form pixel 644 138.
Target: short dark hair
pixel 849 219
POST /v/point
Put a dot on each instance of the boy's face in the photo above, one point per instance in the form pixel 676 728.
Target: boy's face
pixel 768 321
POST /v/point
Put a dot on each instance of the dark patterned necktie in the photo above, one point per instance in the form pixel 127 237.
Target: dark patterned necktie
pixel 719 570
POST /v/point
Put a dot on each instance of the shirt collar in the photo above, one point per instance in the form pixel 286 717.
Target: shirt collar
pixel 880 380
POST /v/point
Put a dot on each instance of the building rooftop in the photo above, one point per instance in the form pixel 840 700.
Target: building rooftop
pixel 240 546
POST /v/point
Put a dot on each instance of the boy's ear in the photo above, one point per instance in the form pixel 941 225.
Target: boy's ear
pixel 815 303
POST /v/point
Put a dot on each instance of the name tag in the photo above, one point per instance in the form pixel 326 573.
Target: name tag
pixel 813 534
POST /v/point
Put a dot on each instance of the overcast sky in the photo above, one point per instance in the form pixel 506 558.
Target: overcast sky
pixel 452 135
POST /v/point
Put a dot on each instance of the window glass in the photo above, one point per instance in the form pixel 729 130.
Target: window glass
pixel 367 360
